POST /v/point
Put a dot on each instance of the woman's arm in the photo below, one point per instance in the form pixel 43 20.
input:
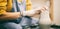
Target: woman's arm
pixel 10 16
pixel 15 15
pixel 9 5
pixel 34 12
pixel 31 13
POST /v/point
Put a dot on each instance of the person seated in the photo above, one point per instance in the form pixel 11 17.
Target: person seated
pixel 7 18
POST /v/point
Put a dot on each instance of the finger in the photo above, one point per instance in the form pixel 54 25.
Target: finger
pixel 46 7
pixel 42 9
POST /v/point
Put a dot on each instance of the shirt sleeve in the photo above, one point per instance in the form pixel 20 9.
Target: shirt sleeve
pixel 28 5
pixel 9 5
pixel 3 4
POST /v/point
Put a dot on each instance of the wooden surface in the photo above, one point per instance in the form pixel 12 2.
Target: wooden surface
pixel 51 10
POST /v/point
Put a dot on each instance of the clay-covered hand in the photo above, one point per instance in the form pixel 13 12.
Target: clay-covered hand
pixel 39 10
pixel 44 8
pixel 34 11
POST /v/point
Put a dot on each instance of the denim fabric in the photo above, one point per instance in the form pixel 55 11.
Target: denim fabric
pixel 10 25
pixel 26 21
pixel 29 23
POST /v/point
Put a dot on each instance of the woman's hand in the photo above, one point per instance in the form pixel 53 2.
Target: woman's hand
pixel 41 10
pixel 44 8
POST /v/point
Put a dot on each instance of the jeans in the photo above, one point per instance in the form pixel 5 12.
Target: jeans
pixel 26 21
pixel 10 25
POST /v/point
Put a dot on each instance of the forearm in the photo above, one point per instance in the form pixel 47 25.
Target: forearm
pixel 10 16
pixel 15 15
pixel 35 11
pixel 31 13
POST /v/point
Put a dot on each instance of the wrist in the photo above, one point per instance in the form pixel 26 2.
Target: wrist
pixel 23 13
